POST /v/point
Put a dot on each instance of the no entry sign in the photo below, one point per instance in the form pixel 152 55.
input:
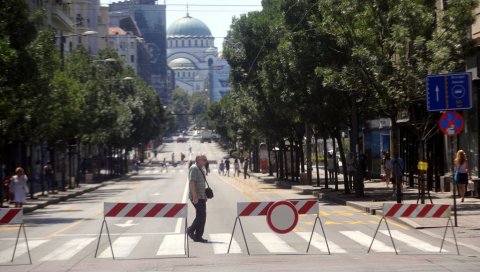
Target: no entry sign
pixel 282 217
pixel 451 123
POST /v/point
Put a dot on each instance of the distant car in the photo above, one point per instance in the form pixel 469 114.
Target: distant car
pixel 167 140
pixel 182 139
pixel 215 137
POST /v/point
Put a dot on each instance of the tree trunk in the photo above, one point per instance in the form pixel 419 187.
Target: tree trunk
pixel 281 160
pixel 358 178
pixel 325 151
pixel 316 161
pixel 335 164
pixel 308 134
pixel 292 160
pixel 344 164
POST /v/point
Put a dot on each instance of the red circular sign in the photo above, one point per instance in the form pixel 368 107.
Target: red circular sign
pixel 451 123
pixel 282 217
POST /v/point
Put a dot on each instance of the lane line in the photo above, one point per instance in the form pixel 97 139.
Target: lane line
pixel 319 242
pixel 412 241
pixel 6 255
pixel 184 200
pixel 122 247
pixel 172 245
pixel 68 250
pixel 220 243
pixel 273 243
pixel 365 240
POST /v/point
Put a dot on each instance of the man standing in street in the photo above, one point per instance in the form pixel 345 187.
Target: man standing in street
pixel 197 196
pixel 397 174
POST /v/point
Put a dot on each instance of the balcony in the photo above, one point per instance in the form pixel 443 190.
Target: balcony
pixel 61 18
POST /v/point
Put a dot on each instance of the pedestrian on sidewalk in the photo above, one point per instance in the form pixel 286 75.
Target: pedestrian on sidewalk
pixel 462 173
pixel 227 167
pixel 387 167
pixel 19 187
pixel 397 174
pixel 330 166
pixel 350 162
pixel 245 169
pixel 221 168
pixel 236 168
pixel 49 176
pixel 207 168
pixel 197 186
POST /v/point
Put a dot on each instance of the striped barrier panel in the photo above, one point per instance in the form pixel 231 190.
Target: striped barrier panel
pixel 397 210
pixel 417 210
pixel 172 210
pixel 14 216
pixel 11 216
pixel 261 208
pixel 143 210
pixel 247 209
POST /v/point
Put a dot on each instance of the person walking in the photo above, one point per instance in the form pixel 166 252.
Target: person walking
pixel 197 186
pixel 221 168
pixel 19 187
pixel 227 167
pixel 207 168
pixel 462 172
pixel 397 174
pixel 350 162
pixel 236 168
pixel 245 169
pixel 49 176
pixel 330 167
pixel 387 167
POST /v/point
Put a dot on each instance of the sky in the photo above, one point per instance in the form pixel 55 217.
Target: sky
pixel 216 14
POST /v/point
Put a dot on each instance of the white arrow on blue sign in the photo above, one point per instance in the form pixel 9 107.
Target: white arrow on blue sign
pixel 449 92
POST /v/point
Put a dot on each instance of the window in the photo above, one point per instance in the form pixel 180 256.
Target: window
pixel 176 43
pixel 132 58
pixel 202 43
pixel 183 43
pixel 183 74
pixel 195 43
pixel 132 45
pixel 189 43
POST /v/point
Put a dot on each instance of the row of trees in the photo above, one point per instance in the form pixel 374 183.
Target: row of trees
pixel 81 99
pixel 185 107
pixel 303 68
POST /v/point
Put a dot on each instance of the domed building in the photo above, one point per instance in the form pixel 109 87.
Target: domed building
pixel 190 53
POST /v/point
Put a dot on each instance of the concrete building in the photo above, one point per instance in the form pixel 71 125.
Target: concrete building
pixel 146 19
pixel 125 43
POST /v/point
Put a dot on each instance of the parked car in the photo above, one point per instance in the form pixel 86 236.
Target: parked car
pixel 182 139
pixel 167 140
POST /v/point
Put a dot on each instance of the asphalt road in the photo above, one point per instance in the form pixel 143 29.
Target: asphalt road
pixel 63 237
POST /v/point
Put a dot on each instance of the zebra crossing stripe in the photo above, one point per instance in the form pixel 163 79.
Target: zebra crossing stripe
pixel 412 241
pixel 172 245
pixel 122 247
pixel 6 255
pixel 365 240
pixel 68 250
pixel 273 243
pixel 319 242
pixel 220 243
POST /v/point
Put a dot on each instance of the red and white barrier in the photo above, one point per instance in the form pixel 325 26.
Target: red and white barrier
pixel 398 210
pixel 14 216
pixel 142 210
pixel 172 210
pixel 261 208
pixel 417 210
pixel 11 216
pixel 280 213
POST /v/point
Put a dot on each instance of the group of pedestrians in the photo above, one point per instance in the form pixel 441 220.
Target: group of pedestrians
pixel 224 168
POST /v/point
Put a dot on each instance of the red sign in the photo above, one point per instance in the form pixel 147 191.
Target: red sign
pixel 451 123
pixel 282 217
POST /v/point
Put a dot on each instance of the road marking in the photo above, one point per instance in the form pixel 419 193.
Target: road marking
pixel 172 245
pixel 122 247
pixel 323 213
pixel 184 200
pixel 365 240
pixel 220 243
pixel 113 234
pixel 273 243
pixel 355 222
pixel 319 242
pixel 450 240
pixel 68 250
pixel 328 222
pixel 6 255
pixel 127 224
pixel 412 241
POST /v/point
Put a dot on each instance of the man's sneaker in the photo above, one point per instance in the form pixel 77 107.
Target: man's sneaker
pixel 190 234
pixel 201 240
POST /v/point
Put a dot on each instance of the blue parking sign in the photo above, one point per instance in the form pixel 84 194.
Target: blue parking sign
pixel 449 92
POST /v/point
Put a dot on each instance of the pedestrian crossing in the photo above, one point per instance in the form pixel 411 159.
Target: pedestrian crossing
pixel 126 246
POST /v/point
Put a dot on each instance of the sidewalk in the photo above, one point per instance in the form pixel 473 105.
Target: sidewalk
pixel 376 194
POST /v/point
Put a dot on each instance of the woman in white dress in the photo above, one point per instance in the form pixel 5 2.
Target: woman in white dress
pixel 19 187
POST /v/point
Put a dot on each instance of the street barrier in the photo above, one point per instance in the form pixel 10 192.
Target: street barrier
pixel 247 209
pixel 143 210
pixel 416 211
pixel 14 216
